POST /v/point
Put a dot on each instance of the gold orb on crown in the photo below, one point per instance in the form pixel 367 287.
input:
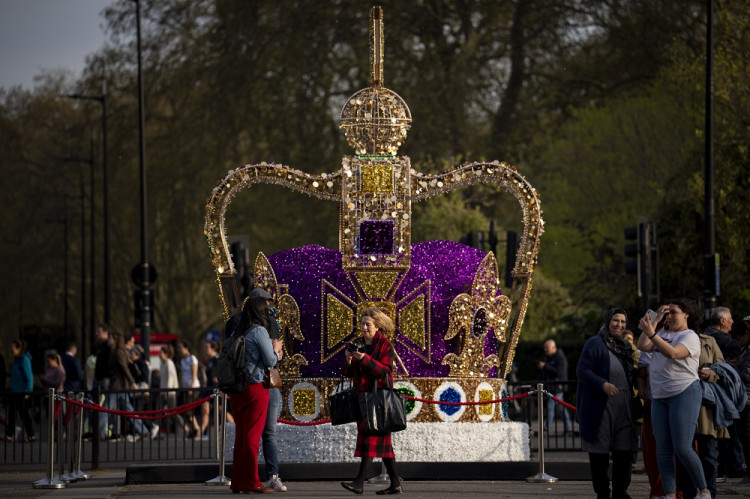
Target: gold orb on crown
pixel 375 121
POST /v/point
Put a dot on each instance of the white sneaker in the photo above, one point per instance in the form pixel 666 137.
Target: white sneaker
pixel 703 495
pixel 154 431
pixel 133 438
pixel 275 483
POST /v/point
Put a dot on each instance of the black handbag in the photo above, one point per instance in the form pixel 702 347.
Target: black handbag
pixel 382 410
pixel 343 405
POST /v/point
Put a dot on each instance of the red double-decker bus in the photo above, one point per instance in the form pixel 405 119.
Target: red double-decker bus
pixel 157 341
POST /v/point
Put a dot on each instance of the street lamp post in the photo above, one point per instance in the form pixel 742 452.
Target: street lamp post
pixel 90 161
pixel 711 258
pixel 144 281
pixel 102 99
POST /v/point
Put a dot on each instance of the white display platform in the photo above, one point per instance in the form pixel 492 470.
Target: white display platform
pixel 420 442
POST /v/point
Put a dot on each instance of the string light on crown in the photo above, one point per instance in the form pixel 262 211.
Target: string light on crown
pixel 456 332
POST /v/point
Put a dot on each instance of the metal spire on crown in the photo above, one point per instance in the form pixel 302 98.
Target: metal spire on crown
pixel 375 189
pixel 375 120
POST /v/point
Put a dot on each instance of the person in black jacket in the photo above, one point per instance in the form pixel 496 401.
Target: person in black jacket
pixel 101 377
pixel 720 330
pixel 730 449
pixel 73 370
pixel 554 368
pixel 3 373
pixel 3 376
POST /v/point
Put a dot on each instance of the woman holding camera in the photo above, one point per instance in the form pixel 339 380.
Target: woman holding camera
pixel 675 390
pixel 605 390
pixel 367 363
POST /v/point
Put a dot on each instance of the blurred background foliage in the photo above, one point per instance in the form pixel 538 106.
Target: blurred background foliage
pixel 598 103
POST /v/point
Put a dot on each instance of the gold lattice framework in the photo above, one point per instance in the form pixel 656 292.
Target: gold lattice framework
pixel 377 185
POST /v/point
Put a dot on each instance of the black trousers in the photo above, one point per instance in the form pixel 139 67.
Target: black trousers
pixel 20 405
pixel 621 473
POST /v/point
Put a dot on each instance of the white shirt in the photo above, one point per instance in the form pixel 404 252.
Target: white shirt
pixel 168 378
pixel 670 377
pixel 186 364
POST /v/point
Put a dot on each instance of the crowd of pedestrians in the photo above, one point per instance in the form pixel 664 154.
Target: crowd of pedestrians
pixel 690 387
pixel 117 375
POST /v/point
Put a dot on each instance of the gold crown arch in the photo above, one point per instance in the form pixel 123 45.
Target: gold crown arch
pixel 378 185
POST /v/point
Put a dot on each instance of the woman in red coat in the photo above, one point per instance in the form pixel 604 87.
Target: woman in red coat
pixel 372 362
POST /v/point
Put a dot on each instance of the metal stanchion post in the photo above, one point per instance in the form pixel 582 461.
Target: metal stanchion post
pixel 221 479
pixel 50 482
pixel 64 432
pixel 541 476
pixel 61 447
pixel 95 429
pixel 217 398
pixel 77 473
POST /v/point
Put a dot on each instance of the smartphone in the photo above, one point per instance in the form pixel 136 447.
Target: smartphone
pixel 651 315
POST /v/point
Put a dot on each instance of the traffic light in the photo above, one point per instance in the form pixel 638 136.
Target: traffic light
pixel 642 259
pixel 239 247
pixel 475 239
pixel 144 304
pixel 632 250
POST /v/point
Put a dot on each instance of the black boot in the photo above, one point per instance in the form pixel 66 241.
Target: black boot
pixel 395 487
pixel 600 474
pixel 357 485
pixel 352 487
pixel 621 473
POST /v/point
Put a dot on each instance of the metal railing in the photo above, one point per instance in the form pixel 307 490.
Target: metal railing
pixel 109 438
pixel 556 437
pixel 122 442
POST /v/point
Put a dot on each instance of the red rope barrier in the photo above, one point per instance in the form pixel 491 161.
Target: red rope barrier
pixel 427 401
pixel 328 420
pixel 507 399
pixel 561 402
pixel 167 412
pixel 300 423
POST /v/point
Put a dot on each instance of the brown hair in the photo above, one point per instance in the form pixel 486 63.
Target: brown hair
pixel 168 351
pixel 56 357
pixel 20 345
pixel 381 320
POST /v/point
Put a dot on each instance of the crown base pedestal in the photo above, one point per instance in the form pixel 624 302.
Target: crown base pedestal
pixel 420 442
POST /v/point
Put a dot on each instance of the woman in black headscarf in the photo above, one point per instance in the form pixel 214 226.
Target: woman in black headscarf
pixel 605 389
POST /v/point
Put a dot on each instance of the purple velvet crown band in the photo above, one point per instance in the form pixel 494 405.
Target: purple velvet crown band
pixel 449 266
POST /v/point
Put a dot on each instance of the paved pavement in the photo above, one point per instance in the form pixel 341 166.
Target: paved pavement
pixel 111 484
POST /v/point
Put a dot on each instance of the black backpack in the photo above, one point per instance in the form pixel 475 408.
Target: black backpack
pixel 230 365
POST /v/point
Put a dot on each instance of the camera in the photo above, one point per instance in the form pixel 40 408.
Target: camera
pixel 355 346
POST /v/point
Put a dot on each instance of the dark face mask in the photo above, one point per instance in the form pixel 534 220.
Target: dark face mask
pixel 272 312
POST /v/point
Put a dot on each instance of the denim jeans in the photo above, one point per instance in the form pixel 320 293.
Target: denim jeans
pixel 124 404
pixel 674 420
pixel 270 449
pixel 106 401
pixel 707 453
pixel 553 407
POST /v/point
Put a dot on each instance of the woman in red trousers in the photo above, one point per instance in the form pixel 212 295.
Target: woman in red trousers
pixel 250 407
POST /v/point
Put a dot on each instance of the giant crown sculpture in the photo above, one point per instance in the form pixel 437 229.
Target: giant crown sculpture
pixel 455 332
